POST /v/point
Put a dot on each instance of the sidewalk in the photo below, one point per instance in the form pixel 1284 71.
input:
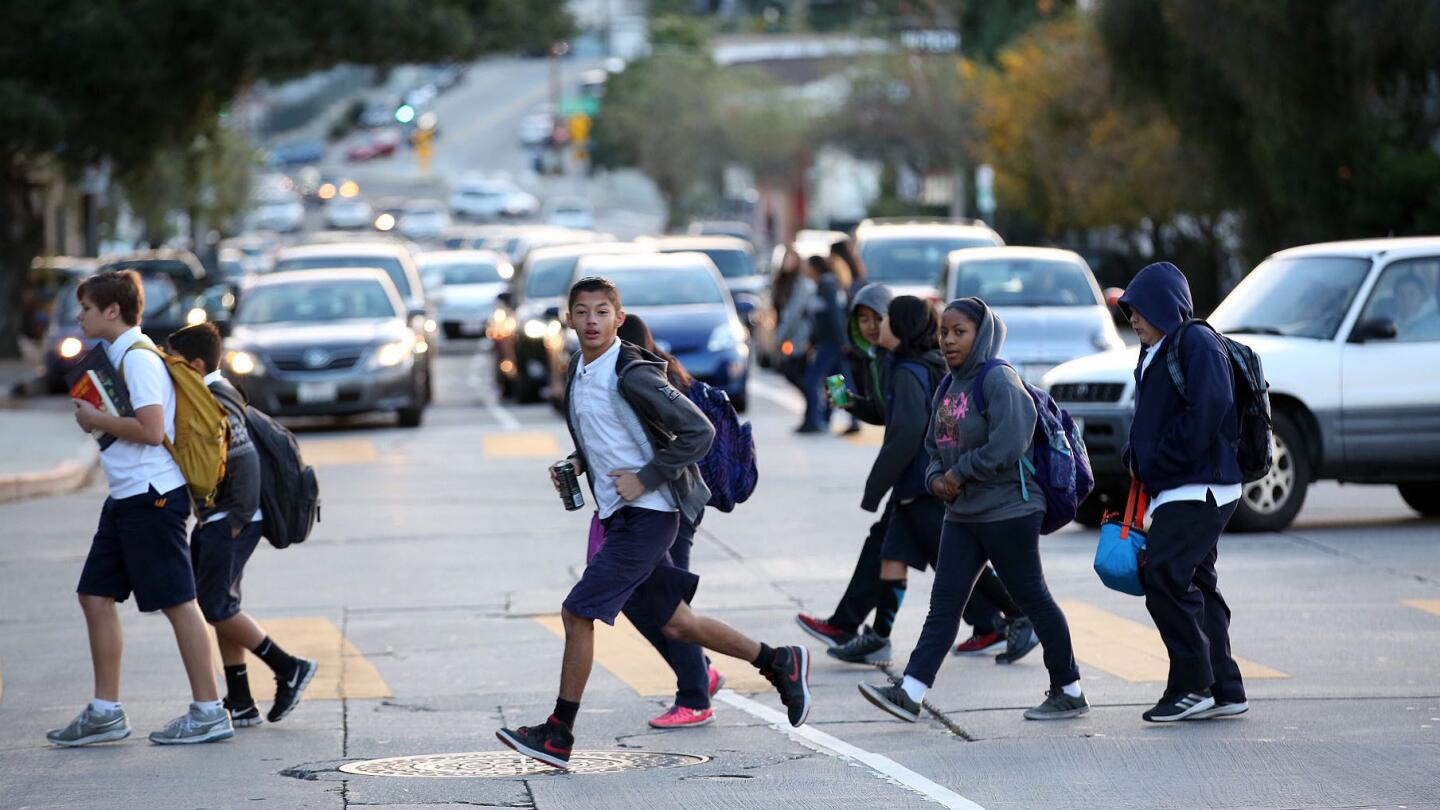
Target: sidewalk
pixel 42 451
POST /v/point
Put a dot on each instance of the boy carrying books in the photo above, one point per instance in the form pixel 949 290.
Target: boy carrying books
pixel 139 546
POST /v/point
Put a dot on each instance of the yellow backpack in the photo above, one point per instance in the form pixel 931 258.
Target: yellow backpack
pixel 202 428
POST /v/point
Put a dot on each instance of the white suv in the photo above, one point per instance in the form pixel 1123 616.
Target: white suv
pixel 1349 335
pixel 909 255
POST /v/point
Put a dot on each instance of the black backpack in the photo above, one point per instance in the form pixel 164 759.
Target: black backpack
pixel 1252 399
pixel 289 491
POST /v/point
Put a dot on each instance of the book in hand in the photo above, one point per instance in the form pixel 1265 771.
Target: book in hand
pixel 94 380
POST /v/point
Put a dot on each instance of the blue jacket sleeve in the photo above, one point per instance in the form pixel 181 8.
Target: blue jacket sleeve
pixel 1210 394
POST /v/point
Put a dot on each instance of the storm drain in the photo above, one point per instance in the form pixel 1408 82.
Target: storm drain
pixel 506 763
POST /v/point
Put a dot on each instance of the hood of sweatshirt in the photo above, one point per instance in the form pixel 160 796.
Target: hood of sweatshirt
pixel 989 336
pixel 1161 294
pixel 877 297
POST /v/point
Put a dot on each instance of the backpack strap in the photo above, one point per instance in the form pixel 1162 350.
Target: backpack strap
pixel 940 389
pixel 151 347
pixel 977 389
pixel 1174 363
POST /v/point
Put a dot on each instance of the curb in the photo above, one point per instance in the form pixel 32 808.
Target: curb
pixel 64 477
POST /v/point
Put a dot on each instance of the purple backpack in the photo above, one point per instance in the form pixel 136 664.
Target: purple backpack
pixel 729 468
pixel 1057 460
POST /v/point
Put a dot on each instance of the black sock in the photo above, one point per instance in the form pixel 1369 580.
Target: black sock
pixel 281 662
pixel 892 593
pixel 566 711
pixel 766 657
pixel 237 686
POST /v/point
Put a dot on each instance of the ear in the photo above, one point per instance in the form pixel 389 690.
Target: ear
pixel 111 313
pixel 619 317
pixel 568 320
pixel 198 365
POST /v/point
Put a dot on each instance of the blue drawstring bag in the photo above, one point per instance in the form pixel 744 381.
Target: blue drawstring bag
pixel 1121 551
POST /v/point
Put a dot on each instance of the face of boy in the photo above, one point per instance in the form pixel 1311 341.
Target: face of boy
pixel 1147 333
pixel 957 337
pixel 99 323
pixel 869 321
pixel 595 320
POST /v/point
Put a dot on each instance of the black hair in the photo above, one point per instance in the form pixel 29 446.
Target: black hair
pixel 914 324
pixel 594 284
pixel 635 331
pixel 198 342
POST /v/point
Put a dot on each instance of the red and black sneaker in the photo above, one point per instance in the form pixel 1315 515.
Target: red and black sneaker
pixel 823 630
pixel 789 671
pixel 550 742
pixel 981 644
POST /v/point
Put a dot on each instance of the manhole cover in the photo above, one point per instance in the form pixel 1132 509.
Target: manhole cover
pixel 506 763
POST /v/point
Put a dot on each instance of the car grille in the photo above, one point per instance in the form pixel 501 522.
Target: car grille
pixel 1087 392
pixel 317 359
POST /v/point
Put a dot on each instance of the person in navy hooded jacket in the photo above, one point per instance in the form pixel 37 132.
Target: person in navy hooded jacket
pixel 1183 451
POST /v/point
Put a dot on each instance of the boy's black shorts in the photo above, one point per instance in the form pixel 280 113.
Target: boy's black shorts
pixel 635 560
pixel 913 536
pixel 219 562
pixel 140 546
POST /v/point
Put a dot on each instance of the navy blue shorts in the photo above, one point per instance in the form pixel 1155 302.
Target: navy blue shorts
pixel 140 546
pixel 634 560
pixel 219 563
pixel 913 536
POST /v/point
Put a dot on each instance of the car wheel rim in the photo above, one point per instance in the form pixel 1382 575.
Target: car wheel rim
pixel 1271 493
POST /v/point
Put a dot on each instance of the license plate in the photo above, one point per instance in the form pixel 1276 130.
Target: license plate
pixel 310 393
pixel 472 327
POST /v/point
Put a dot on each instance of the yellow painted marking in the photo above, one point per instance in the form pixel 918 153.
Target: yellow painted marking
pixel 521 445
pixel 332 452
pixel 869 436
pixel 343 670
pixel 629 657
pixel 1130 651
pixel 1427 605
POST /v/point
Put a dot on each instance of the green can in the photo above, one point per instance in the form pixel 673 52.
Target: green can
pixel 839 394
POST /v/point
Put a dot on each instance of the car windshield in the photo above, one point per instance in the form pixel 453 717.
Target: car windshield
pixel 1025 283
pixel 468 273
pixel 911 261
pixel 67 306
pixel 666 287
pixel 549 278
pixel 1297 297
pixel 732 263
pixel 160 294
pixel 392 267
pixel 313 302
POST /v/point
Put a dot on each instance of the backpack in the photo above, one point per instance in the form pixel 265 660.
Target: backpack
pixel 289 490
pixel 1057 460
pixel 1252 399
pixel 729 467
pixel 202 427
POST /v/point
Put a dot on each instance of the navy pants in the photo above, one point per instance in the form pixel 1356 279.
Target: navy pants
pixel 692 670
pixel 829 360
pixel 1013 547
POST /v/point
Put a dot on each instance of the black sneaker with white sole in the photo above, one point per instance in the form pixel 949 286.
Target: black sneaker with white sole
pixel 789 672
pixel 550 742
pixel 1059 706
pixel 243 716
pixel 893 700
pixel 1222 708
pixel 866 648
pixel 289 690
pixel 1179 706
pixel 1020 639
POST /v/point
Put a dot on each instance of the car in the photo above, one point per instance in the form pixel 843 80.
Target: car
pixel 376 144
pixel 722 227
pixel 909 255
pixel 687 306
pixel 63 343
pixel 379 113
pixel 487 199
pixel 423 220
pixel 344 213
pixel 537 128
pixel 327 342
pixel 471 237
pixel 518 244
pixel 526 326
pixel 570 212
pixel 279 210
pixel 255 248
pixel 1348 334
pixel 735 258
pixel 49 277
pixel 1048 298
pixel 234 265
pixel 297 153
pixel 467 283
pixel 806 243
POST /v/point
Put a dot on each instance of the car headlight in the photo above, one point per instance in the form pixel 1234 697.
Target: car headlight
pixel 534 329
pixel 724 337
pixel 70 347
pixel 393 354
pixel 196 316
pixel 242 363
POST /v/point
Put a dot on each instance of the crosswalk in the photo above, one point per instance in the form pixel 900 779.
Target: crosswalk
pixel 343 671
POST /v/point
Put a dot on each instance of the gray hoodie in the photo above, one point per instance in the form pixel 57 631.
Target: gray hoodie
pixel 984 450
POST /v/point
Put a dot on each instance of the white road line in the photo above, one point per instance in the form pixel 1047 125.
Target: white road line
pixel 475 379
pixel 784 396
pixel 836 747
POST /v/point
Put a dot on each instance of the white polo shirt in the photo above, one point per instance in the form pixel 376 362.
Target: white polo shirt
pixel 609 445
pixel 133 468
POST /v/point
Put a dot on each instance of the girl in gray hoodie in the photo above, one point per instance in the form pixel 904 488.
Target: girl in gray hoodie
pixel 993 513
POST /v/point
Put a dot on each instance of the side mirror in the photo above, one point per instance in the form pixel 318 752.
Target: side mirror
pixel 1374 329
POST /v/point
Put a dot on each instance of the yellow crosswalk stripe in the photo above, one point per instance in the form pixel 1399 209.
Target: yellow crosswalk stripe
pixel 334 452
pixel 629 657
pixel 869 436
pixel 344 672
pixel 1129 650
pixel 1427 605
pixel 521 445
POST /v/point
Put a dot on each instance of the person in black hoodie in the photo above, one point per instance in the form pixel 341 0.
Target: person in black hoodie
pixel 828 338
pixel 1183 451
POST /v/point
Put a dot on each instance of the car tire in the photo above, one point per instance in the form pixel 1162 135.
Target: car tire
pixel 1271 504
pixel 1422 496
pixel 411 417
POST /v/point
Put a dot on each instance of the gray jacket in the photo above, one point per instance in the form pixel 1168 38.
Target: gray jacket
pixel 239 493
pixel 984 450
pixel 677 432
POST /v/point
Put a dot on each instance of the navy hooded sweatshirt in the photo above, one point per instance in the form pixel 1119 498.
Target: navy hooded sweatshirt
pixel 1177 440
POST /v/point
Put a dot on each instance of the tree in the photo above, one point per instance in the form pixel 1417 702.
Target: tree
pixel 86 82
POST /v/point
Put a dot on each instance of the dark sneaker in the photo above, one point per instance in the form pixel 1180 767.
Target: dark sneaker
pixel 1059 706
pixel 195 727
pixel 91 727
pixel 893 700
pixel 288 691
pixel 1179 706
pixel 1222 708
pixel 981 644
pixel 866 648
pixel 789 671
pixel 1020 639
pixel 822 630
pixel 243 716
pixel 550 742
pixel 809 429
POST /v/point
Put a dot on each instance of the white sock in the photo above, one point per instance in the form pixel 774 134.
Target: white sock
pixel 206 706
pixel 104 706
pixel 1072 689
pixel 914 688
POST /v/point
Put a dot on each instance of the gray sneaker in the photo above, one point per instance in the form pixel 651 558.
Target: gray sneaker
pixel 893 700
pixel 1020 639
pixel 865 648
pixel 195 727
pixel 1059 706
pixel 90 727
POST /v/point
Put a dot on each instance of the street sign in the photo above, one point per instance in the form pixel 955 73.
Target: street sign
pixel 985 190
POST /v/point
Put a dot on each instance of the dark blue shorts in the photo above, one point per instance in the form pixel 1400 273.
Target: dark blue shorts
pixel 219 563
pixel 634 560
pixel 140 546
pixel 913 536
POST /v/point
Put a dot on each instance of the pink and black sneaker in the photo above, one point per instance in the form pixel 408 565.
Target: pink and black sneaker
pixel 717 681
pixel 683 717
